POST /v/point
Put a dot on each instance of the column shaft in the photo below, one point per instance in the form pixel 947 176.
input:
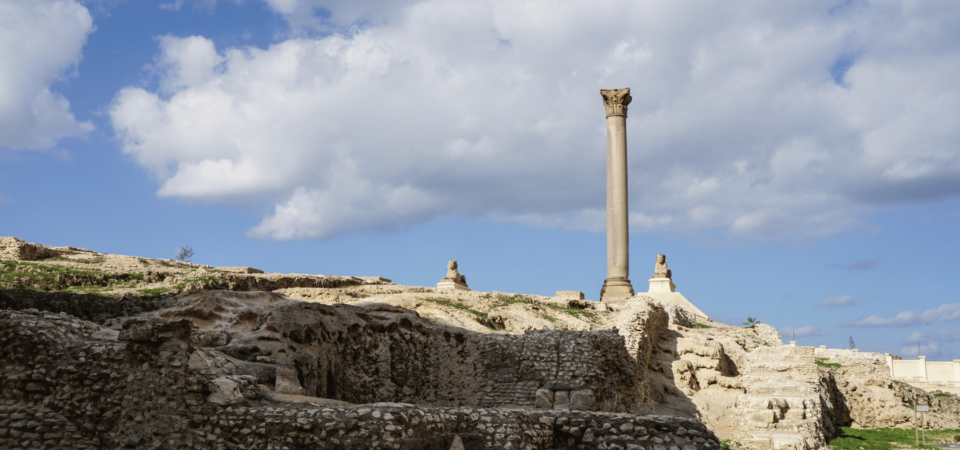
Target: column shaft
pixel 618 232
pixel 617 284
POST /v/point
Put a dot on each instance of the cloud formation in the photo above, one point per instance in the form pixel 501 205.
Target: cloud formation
pixel 789 332
pixel 839 300
pixel 794 122
pixel 40 43
pixel 947 312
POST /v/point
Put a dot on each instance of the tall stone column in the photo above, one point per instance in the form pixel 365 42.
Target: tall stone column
pixel 617 284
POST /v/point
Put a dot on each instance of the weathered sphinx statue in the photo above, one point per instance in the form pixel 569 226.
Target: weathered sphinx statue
pixel 661 270
pixel 453 274
pixel 454 279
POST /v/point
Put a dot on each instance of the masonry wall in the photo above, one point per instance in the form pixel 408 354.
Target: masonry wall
pixel 62 389
pixel 386 354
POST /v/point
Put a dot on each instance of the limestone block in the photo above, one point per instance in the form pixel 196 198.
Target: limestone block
pixel 706 377
pixel 544 399
pixel 224 391
pixel 287 381
pixel 795 414
pixel 582 400
pixel 729 382
pixel 570 295
pixel 561 400
pixel 764 416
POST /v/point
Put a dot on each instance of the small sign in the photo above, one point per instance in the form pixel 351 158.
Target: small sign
pixel 923 408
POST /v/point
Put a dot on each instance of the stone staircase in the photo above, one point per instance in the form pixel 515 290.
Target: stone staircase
pixel 781 407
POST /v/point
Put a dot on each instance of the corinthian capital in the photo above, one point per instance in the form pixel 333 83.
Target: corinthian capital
pixel 616 101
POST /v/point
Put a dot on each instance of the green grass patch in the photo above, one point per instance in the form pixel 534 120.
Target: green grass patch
pixel 552 319
pixel 727 444
pixel 152 291
pixel 822 362
pixel 457 305
pixel 507 300
pixel 887 439
pixel 943 395
pixel 47 277
pixel 581 313
pixel 700 325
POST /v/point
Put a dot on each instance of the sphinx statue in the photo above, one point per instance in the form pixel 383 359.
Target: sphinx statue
pixel 661 270
pixel 454 279
pixel 453 274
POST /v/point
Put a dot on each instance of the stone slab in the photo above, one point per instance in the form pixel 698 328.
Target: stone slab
pixel 570 295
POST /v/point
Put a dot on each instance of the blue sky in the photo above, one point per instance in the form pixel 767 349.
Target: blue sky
pixel 798 163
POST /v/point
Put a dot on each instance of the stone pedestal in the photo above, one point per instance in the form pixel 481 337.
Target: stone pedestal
pixel 617 284
pixel 662 285
pixel 449 284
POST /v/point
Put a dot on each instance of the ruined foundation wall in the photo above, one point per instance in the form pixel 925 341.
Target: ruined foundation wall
pixel 61 388
pixel 392 355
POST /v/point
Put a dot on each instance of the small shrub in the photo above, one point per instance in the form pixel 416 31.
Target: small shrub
pixel 185 254
pixel 700 325
pixel 751 322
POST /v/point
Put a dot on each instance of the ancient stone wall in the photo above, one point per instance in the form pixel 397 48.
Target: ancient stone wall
pixel 93 307
pixel 390 355
pixel 558 369
pixel 62 388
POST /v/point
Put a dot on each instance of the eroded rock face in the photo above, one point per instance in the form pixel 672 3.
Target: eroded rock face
pixel 60 388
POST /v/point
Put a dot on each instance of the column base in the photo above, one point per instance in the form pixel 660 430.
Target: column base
pixel 616 288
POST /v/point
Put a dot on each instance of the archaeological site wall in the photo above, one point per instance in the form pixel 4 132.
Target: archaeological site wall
pixel 65 384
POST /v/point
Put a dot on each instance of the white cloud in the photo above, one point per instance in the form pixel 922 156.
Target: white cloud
pixel 789 332
pixel 931 350
pixel 840 300
pixel 40 43
pixel 490 109
pixel 947 312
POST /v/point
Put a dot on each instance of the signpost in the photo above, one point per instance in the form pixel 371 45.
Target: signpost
pixel 922 409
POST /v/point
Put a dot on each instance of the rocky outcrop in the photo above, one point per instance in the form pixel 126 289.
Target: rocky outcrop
pixel 16 249
pixel 768 334
pixel 641 324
